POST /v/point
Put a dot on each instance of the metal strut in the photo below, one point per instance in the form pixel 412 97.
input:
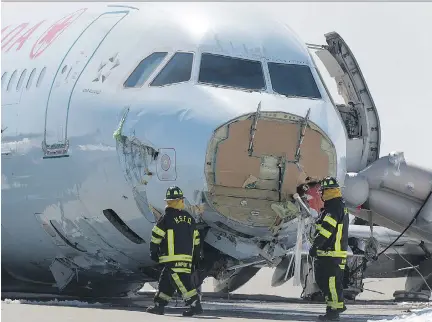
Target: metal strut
pixel 253 128
pixel 428 254
pixel 280 180
pixel 304 212
pixel 301 137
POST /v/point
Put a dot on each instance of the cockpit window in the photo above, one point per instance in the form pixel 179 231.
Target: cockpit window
pixel 177 70
pixel 231 72
pixel 293 80
pixel 144 69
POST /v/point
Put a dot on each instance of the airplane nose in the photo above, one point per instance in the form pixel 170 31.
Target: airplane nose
pixel 256 161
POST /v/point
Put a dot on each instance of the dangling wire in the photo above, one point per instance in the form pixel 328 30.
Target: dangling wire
pixel 412 266
pixel 400 235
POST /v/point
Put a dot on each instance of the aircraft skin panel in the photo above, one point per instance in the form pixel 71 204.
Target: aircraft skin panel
pixel 58 203
pixel 64 185
pixel 72 65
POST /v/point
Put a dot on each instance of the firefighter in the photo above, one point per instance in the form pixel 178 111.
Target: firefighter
pixel 175 241
pixel 330 248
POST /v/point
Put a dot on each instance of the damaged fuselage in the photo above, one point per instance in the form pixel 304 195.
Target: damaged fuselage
pixel 126 101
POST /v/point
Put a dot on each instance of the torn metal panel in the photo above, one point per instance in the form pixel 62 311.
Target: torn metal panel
pixel 135 157
pixel 253 129
pixel 108 251
pixel 62 272
pixel 74 245
pixel 149 212
pixel 49 229
pixel 139 162
pixel 231 245
pixel 302 131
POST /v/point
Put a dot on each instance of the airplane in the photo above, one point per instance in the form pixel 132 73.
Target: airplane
pixel 105 106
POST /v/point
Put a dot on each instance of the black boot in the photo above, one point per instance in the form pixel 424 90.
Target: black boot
pixel 156 309
pixel 343 309
pixel 194 309
pixel 331 315
pixel 328 309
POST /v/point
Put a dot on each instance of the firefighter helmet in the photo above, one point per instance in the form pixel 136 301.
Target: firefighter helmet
pixel 174 193
pixel 329 183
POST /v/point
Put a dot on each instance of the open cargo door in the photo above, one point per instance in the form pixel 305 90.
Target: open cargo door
pixel 359 112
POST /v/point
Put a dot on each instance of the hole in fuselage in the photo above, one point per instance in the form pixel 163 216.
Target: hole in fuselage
pixel 121 226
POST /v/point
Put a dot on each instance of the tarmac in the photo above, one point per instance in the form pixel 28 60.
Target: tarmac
pixel 256 300
pixel 240 311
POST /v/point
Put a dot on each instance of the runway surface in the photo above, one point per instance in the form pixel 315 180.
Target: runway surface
pixel 267 304
pixel 239 311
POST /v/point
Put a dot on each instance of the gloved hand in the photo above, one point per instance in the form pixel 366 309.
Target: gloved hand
pixel 313 251
pixel 154 257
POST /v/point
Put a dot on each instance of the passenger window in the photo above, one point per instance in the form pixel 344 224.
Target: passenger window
pixel 3 79
pixel 293 80
pixel 30 79
pixel 177 70
pixel 231 72
pixel 145 68
pixel 11 80
pixel 21 79
pixel 41 75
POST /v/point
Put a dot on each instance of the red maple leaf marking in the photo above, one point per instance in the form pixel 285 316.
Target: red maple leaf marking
pixel 53 32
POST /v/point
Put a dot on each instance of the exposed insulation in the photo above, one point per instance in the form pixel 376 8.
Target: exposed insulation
pixel 240 184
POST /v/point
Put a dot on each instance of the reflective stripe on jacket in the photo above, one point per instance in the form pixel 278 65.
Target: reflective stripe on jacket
pixel 175 237
pixel 332 230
